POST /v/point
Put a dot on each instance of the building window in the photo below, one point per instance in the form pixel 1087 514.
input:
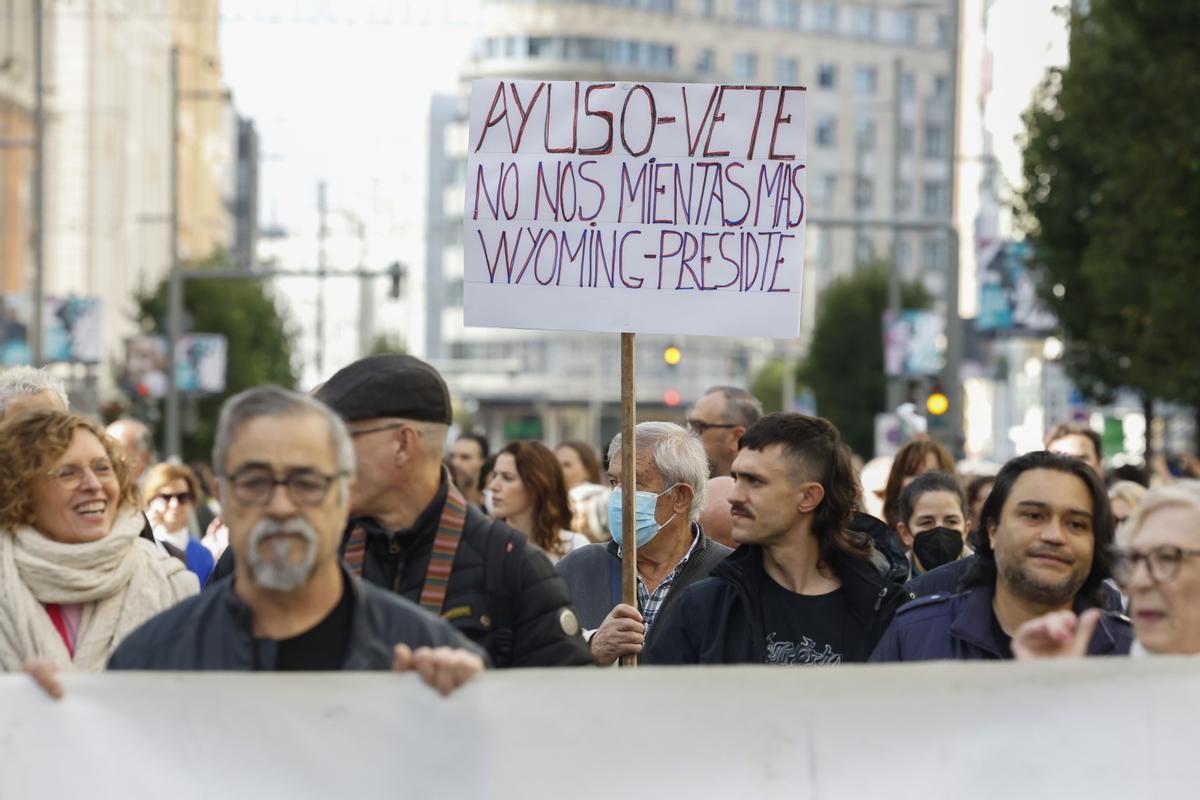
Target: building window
pixel 862 22
pixel 827 76
pixel 745 66
pixel 746 12
pixel 904 196
pixel 864 193
pixel 822 190
pixel 864 250
pixel 937 199
pixel 825 17
pixel 943 32
pixel 935 141
pixel 826 131
pixel 901 255
pixel 787 71
pixel 933 254
pixel 906 139
pixel 908 86
pixel 864 135
pixel 704 61
pixel 707 8
pixel 941 86
pixel 787 14
pixel 866 81
pixel 905 29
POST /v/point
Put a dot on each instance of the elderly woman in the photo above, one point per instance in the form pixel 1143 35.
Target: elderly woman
pixel 75 576
pixel 1159 569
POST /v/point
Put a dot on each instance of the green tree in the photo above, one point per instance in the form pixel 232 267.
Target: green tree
pixel 767 384
pixel 258 333
pixel 844 367
pixel 387 343
pixel 1112 197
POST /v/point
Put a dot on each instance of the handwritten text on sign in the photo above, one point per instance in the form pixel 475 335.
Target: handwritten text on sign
pixel 657 208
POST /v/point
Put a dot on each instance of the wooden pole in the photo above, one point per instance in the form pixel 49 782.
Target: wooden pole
pixel 628 481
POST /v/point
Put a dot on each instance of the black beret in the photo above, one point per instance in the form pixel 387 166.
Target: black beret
pixel 388 385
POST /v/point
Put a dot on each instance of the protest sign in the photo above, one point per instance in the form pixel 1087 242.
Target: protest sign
pixel 635 207
pixel 1102 727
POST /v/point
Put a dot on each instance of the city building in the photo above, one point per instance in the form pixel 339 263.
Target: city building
pixel 881 126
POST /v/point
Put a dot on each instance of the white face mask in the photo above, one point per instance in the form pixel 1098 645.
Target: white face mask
pixel 489 502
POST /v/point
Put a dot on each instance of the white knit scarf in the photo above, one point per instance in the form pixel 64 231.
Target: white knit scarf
pixel 122 580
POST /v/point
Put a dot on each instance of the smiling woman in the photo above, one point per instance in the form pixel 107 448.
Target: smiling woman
pixel 70 550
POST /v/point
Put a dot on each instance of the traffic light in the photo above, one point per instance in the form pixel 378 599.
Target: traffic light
pixel 671 398
pixel 672 355
pixel 937 403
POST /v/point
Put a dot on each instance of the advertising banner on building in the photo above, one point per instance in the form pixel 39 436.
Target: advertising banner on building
pixel 200 364
pixel 635 207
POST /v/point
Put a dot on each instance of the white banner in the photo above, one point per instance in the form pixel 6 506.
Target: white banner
pixel 653 208
pixel 1111 727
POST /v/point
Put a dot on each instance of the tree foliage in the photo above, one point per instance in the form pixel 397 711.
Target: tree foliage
pixel 1112 197
pixel 259 343
pixel 844 367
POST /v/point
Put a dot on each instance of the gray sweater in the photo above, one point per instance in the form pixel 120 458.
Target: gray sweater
pixel 593 574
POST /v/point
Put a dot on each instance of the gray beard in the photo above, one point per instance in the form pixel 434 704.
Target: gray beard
pixel 275 570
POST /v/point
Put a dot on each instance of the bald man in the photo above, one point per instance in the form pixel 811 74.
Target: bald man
pixel 138 441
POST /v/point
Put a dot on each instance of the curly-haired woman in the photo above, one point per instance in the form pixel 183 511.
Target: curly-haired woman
pixel 530 494
pixel 75 576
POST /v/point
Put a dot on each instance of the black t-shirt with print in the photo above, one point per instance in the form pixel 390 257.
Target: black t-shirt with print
pixel 803 629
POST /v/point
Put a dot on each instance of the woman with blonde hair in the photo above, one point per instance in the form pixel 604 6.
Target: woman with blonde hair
pixel 171 492
pixel 75 575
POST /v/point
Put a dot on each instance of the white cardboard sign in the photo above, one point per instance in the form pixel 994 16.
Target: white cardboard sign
pixel 635 207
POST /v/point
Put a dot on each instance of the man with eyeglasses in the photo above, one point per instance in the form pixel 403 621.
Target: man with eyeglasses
pixel 286 464
pixel 718 419
pixel 1047 529
pixel 413 533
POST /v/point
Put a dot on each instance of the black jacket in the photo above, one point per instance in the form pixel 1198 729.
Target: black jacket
pixel 212 631
pixel 593 574
pixel 719 619
pixel 962 627
pixel 503 593
pixel 887 544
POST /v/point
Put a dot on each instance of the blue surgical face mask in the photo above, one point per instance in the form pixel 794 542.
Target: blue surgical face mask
pixel 644 504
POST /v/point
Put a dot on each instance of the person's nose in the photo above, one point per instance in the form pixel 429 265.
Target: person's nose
pixel 280 505
pixel 89 481
pixel 1052 532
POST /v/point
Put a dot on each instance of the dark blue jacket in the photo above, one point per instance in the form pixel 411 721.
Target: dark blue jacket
pixel 947 579
pixel 214 631
pixel 961 627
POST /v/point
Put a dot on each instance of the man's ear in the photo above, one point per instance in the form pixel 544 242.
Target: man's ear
pixel 681 498
pixel 810 496
pixel 906 535
pixel 991 533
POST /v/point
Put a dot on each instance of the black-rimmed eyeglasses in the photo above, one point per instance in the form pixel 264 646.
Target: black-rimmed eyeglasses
pixel 1163 562
pixel 305 487
pixel 698 426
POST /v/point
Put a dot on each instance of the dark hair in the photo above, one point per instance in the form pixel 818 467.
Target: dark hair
pixel 975 487
pixel 588 458
pixel 909 461
pixel 741 407
pixel 1127 472
pixel 1065 429
pixel 924 484
pixel 547 489
pixel 479 439
pixel 814 444
pixel 982 571
pixel 488 467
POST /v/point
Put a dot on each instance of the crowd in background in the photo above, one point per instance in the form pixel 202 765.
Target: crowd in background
pixel 349 530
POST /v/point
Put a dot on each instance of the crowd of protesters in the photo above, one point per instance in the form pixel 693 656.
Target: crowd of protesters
pixel 342 531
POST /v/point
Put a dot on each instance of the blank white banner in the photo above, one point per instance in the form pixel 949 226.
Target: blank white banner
pixel 1101 728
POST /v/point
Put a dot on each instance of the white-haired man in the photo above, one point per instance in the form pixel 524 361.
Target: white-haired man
pixel 672 550
pixel 28 389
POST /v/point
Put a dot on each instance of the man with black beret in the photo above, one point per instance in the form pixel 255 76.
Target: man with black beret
pixel 412 532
